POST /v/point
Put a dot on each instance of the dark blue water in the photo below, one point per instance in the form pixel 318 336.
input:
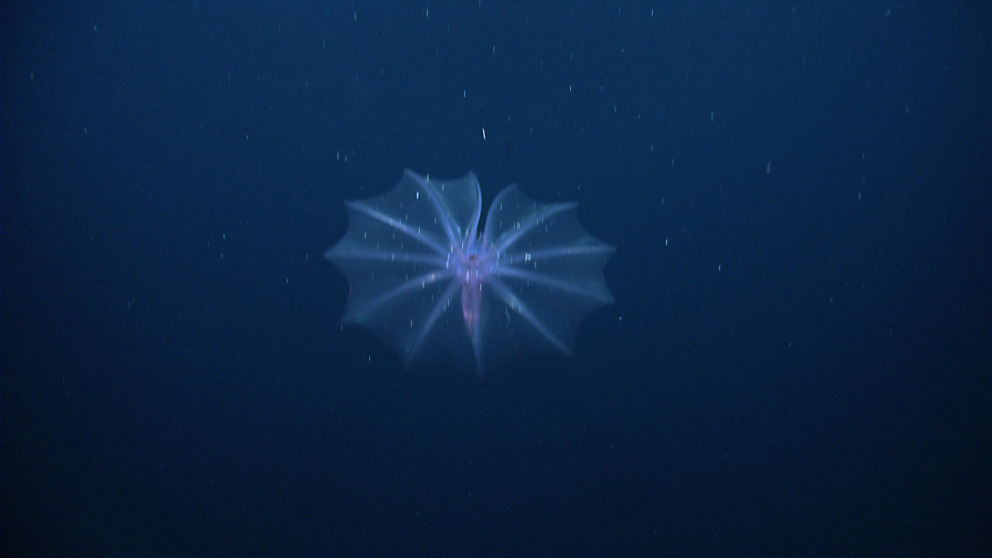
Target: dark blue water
pixel 798 360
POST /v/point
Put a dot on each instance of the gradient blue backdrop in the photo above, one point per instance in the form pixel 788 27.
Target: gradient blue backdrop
pixel 798 362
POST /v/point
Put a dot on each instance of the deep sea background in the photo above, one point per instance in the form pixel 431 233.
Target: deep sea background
pixel 797 364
